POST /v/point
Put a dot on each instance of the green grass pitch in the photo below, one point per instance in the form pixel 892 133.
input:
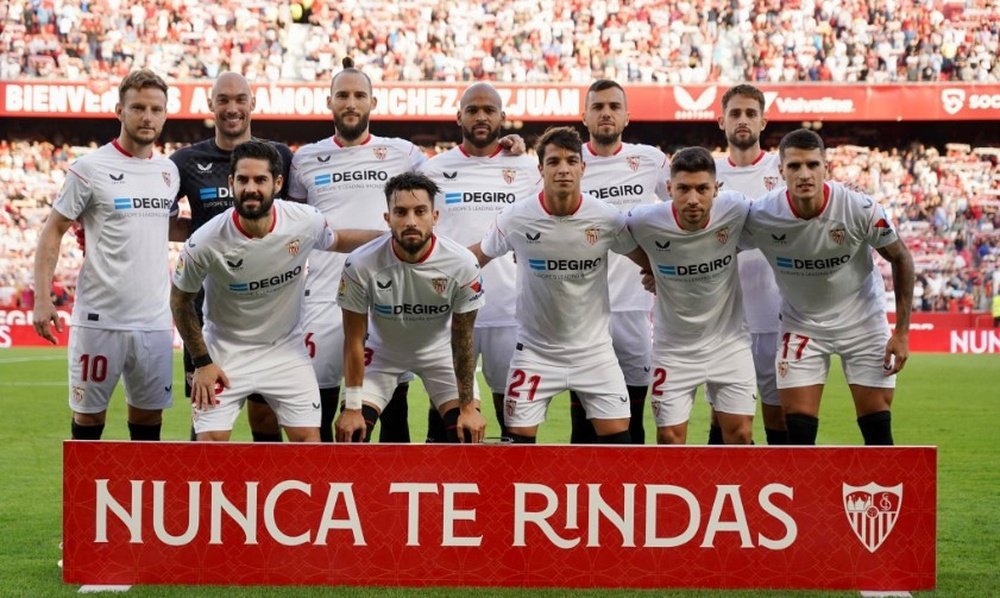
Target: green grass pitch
pixel 946 400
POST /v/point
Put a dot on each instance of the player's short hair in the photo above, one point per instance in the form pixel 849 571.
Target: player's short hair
pixel 602 84
pixel 692 159
pixel 139 80
pixel 348 64
pixel 800 139
pixel 410 181
pixel 256 149
pixel 566 138
pixel 743 89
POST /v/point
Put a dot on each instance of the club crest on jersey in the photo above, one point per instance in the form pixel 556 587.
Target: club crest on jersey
pixel 342 289
pixel 509 406
pixel 166 178
pixel 872 511
pixel 722 235
pixel 633 162
pixel 204 167
pixel 509 174
pixel 179 268
pixel 380 152
pixel 78 393
pixel 838 235
pixel 782 368
pixel 293 247
pixel 592 235
pixel 440 285
pixel 770 182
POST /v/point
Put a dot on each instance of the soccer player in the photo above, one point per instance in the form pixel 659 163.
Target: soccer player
pixel 562 240
pixel 625 175
pixel 753 172
pixel 477 180
pixel 204 170
pixel 121 320
pixel 423 292
pixel 818 236
pixel 699 333
pixel 251 259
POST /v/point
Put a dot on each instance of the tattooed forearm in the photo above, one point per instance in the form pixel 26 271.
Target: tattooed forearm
pixel 462 356
pixel 186 320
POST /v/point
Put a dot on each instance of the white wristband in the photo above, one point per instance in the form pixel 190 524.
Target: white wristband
pixel 352 397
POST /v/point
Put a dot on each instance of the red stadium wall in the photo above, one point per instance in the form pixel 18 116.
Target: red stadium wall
pixel 521 516
pixel 439 101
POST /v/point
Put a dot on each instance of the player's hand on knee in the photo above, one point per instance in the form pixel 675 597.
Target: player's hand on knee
pixel 472 421
pixel 206 383
pixel 45 317
pixel 350 426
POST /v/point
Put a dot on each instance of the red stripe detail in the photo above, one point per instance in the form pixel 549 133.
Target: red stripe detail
pixel 423 258
pixel 338 144
pixel 541 200
pixel 618 150
pixel 239 227
pixel 756 160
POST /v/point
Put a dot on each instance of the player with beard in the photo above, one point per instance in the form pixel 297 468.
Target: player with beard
pixel 252 337
pixel 477 180
pixel 422 292
pixel 204 170
pixel 121 320
pixel 625 175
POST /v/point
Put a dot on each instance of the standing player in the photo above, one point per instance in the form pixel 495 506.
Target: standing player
pixel 700 336
pixel 753 172
pixel 422 292
pixel 251 260
pixel 818 238
pixel 121 320
pixel 204 170
pixel 562 241
pixel 625 175
pixel 477 180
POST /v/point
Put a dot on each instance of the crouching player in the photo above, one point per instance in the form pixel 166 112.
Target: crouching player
pixel 415 284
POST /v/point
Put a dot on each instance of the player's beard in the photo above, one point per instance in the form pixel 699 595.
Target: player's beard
pixel 348 132
pixel 142 137
pixel 480 142
pixel 263 208
pixel 742 143
pixel 606 138
pixel 411 244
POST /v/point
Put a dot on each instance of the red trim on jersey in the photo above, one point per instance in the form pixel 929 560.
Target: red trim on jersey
pixel 468 155
pixel 125 152
pixel 826 202
pixel 673 210
pixel 274 222
pixel 754 163
pixel 423 258
pixel 541 200
pixel 590 148
pixel 338 144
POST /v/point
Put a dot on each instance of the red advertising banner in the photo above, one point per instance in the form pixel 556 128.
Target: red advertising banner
pixel 17 329
pixel 534 102
pixel 936 332
pixel 500 515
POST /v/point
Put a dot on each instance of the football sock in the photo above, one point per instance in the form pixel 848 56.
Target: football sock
pixel 776 437
pixel 194 435
pixel 876 428
pixel 619 438
pixel 265 436
pixel 394 418
pixel 143 432
pixel 328 400
pixel 451 426
pixel 581 430
pixel 802 429
pixel 86 432
pixel 437 427
pixel 637 403
pixel 371 416
pixel 498 409
pixel 519 439
pixel 715 435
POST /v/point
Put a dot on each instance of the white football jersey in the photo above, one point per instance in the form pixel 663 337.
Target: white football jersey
pixel 698 298
pixel 635 175
pixel 253 287
pixel 473 191
pixel 346 184
pixel 824 265
pixel 124 205
pixel 410 305
pixel 563 309
pixel 761 299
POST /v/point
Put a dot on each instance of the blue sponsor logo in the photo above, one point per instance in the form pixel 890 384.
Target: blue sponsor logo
pixel 563 265
pixel 453 197
pixel 537 265
pixel 257 286
pixel 826 263
pixel 142 203
pixel 667 270
pixel 214 193
pixel 322 179
pixel 239 287
pixel 385 310
pixel 694 269
pixel 123 203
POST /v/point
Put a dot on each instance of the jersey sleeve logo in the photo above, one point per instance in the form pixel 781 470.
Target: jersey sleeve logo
pixel 380 152
pixel 440 285
pixel 838 235
pixel 592 233
pixel 509 174
pixel 293 247
pixel 770 182
pixel 166 178
pixel 633 162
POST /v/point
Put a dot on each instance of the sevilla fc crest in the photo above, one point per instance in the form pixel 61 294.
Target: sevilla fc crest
pixel 770 182
pixel 872 511
pixel 838 235
pixel 509 174
pixel 782 368
pixel 439 284
pixel 592 234
pixel 722 235
pixel 509 406
pixel 166 178
pixel 293 247
pixel 79 392
pixel 380 152
pixel 633 162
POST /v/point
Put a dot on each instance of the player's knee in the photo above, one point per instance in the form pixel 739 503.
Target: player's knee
pixel 671 435
pixel 89 419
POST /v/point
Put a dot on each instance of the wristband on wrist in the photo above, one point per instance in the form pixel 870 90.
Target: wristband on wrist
pixel 352 397
pixel 201 361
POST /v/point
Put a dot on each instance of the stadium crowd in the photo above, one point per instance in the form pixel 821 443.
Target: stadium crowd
pixel 669 41
pixel 946 205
